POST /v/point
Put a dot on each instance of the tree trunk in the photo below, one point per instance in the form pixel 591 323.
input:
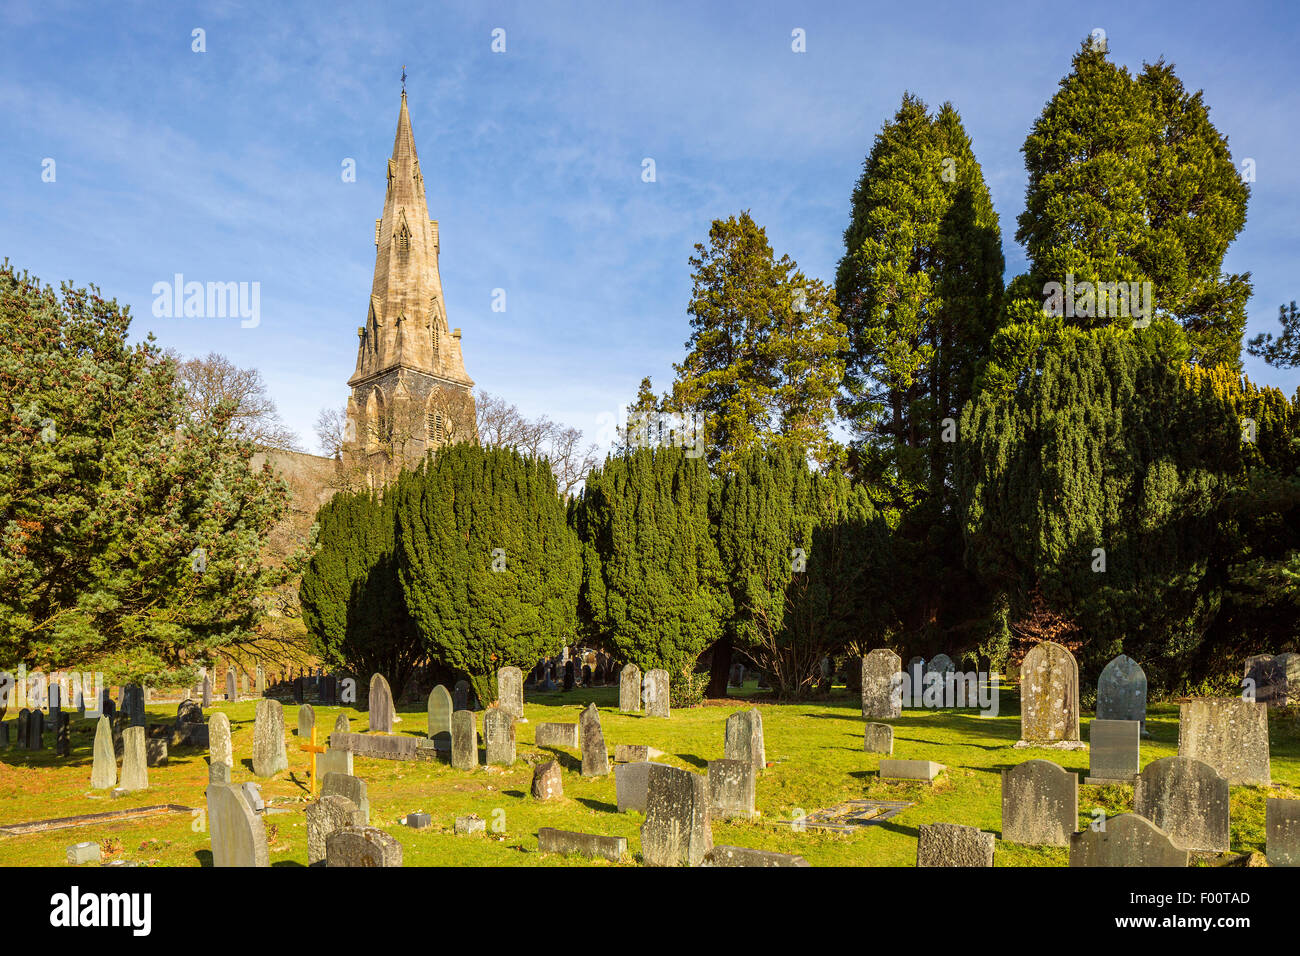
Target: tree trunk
pixel 719 668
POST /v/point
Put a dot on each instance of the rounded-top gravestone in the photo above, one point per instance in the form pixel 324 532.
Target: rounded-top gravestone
pixel 1122 692
pixel 381 706
pixel 1049 698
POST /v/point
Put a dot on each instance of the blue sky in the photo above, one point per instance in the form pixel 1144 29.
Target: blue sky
pixel 225 165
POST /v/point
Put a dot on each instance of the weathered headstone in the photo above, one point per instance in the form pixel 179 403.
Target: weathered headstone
pixel 103 768
pixel 940 664
pixel 510 691
pixel 1273 680
pixel 440 711
pixel 882 685
pixel 923 770
pixel 269 756
pixel 1049 698
pixel 259 688
pixel 135 764
pixel 744 738
pixel 1282 831
pixel 362 846
pixel 306 721
pixel 188 712
pixel 334 760
pixel 499 736
pixel 556 735
pixel 950 844
pixel 1127 840
pixel 133 704
pixel 207 691
pixel 631 781
pixel 342 725
pixel 220 752
pixel 381 706
pixel 155 751
pixel 595 755
pixel 551 840
pixel 629 689
pixel 328 815
pixel 731 789
pixel 657 693
pixel 878 738
pixel 346 785
pixel 744 856
pixel 469 824
pixel 1122 692
pixel 677 827
pixel 86 852
pixel 1187 799
pixel 36 730
pixel 1230 734
pixel 464 740
pixel 231 692
pixel 1114 751
pixel 1040 804
pixel 460 696
pixel 634 753
pixel 238 834
pixel 547 782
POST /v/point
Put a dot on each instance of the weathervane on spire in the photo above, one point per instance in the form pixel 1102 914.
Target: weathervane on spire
pixel 403 77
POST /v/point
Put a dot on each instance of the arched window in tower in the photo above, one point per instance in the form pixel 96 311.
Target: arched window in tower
pixel 436 428
pixel 403 243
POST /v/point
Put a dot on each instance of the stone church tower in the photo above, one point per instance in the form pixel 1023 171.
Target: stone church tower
pixel 410 392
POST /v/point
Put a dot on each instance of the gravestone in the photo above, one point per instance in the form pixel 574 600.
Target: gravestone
pixel 188 712
pixel 744 856
pixel 342 725
pixel 510 691
pixel 460 696
pixel 556 735
pixel 551 840
pixel 259 688
pixel 440 710
pixel 306 721
pixel 629 689
pixel 207 692
pixel 499 736
pixel 334 760
pixel 36 731
pixel 878 738
pixel 381 706
pixel 103 768
pixel 133 704
pixel 731 789
pixel 135 763
pixel 1122 692
pixel 1127 840
pixel 657 693
pixel 923 770
pixel 362 846
pixel 1114 751
pixel 4 735
pixel 220 752
pixel 568 675
pixel 464 740
pixel 231 693
pixel 238 834
pixel 1040 804
pixel 1049 698
pixel 547 781
pixel 269 756
pixel 24 728
pixel 1228 733
pixel 328 815
pixel 1282 831
pixel 1187 799
pixel 586 675
pixel 882 685
pixel 630 783
pixel 677 827
pixel 950 844
pixel 940 664
pixel 595 756
pixel 469 824
pixel 1273 680
pixel 634 753
pixel 744 738
pixel 346 785
pixel 243 684
pixel 155 751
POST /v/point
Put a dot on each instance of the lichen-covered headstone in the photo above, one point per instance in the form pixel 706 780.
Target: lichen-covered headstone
pixel 677 829
pixel 744 738
pixel 1187 799
pixel 220 752
pixel 629 689
pixel 878 738
pixel 464 740
pixel 547 781
pixel 103 768
pixel 135 761
pixel 731 789
pixel 499 736
pixel 595 755
pixel 259 688
pixel 1126 840
pixel 1230 734
pixel 1049 698
pixel 1040 804
pixel 362 846
pixel 1114 751
pixel 950 844
pixel 657 693
pixel 346 785
pixel 306 721
pixel 510 691
pixel 238 834
pixel 440 711
pixel 940 664
pixel 269 756
pixel 1282 831
pixel 882 684
pixel 342 725
pixel 327 815
pixel 1122 692
pixel 381 706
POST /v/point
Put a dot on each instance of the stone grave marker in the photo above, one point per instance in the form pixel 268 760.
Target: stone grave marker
pixel 1040 804
pixel 24 728
pixel 744 856
pixel 551 840
pixel 731 789
pixel 556 735
pixel 381 706
pixel 630 783
pixel 499 736
pixel 334 760
pixel 464 740
pixel 1230 734
pixel 1282 831
pixel 677 827
pixel 103 768
pixel 135 764
pixel 923 770
pixel 328 815
pixel 510 691
pixel 1114 751
pixel 440 711
pixel 220 752
pixel 1049 698
pixel 629 689
pixel 238 834
pixel 36 730
pixel 306 721
pixel 1128 840
pixel 207 692
pixel 950 844
pixel 342 725
pixel 62 735
pixel 878 738
pixel 744 738
pixel 940 664
pixel 231 692
pixel 548 784
pixel 882 685
pixel 595 755
pixel 1122 692
pixel 345 785
pixel 657 693
pixel 269 756
pixel 362 846
pixel 1186 799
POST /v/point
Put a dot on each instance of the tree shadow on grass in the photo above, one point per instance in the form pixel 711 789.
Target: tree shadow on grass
pixel 598 804
pixel 514 793
pixel 693 760
pixel 566 760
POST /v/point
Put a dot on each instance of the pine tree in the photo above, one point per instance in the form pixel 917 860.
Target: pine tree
pixel 1283 351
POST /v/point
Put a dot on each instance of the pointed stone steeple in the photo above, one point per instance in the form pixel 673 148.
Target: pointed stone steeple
pixel 410 391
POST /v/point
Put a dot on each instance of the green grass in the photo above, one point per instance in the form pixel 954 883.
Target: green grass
pixel 813 749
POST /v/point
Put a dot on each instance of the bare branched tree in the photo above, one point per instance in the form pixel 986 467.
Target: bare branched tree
pixel 213 379
pixel 502 425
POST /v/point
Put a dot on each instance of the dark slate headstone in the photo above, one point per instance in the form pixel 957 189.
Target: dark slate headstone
pixel 1230 734
pixel 568 675
pixel 299 689
pixel 464 740
pixel 24 728
pixel 36 731
pixel 62 738
pixel 1125 840
pixel 231 692
pixel 1187 799
pixel 440 711
pixel 207 691
pixel 460 696
pixel 882 685
pixel 1049 698
pixel 381 706
pixel 1282 831
pixel 950 844
pixel 188 712
pixel 677 828
pixel 1122 692
pixel 133 704
pixel 595 755
pixel 4 736
pixel 1114 751
pixel 1040 804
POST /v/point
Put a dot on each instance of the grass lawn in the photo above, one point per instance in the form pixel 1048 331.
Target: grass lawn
pixel 814 753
